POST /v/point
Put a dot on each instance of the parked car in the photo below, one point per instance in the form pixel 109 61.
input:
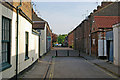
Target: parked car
pixel 59 45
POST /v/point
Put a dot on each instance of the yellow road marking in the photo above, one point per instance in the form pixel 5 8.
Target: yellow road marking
pixel 52 70
pixel 53 63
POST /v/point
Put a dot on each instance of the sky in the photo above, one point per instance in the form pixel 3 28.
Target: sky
pixel 63 17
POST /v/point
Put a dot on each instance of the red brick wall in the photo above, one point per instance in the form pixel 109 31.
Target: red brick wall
pixel 82 37
pixel 49 33
pixel 94 44
pixel 26 7
pixel 71 39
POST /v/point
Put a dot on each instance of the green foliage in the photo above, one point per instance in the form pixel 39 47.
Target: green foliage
pixel 61 38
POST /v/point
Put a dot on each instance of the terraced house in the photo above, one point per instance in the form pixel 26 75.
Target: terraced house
pixel 43 28
pixel 19 46
pixel 90 34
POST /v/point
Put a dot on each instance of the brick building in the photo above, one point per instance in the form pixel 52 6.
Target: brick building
pixel 86 35
pixel 82 35
pixel 71 39
pixel 104 17
pixel 101 24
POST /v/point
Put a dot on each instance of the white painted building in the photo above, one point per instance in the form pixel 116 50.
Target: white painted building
pixel 42 26
pixel 43 41
pixel 116 34
pixel 42 29
pixel 27 42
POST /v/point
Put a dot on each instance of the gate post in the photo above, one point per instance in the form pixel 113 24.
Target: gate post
pixel 79 53
pixel 67 52
pixel 56 53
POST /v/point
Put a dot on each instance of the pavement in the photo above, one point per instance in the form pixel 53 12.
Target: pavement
pixel 104 64
pixel 39 70
pixel 72 67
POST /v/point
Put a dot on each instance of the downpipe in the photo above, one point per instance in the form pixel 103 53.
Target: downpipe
pixel 17 38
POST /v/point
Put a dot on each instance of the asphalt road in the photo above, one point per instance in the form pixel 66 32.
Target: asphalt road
pixel 76 67
pixel 66 67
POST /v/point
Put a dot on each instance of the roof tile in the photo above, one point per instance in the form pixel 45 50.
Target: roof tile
pixel 106 21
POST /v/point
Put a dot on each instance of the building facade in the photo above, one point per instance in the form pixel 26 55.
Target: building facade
pixel 101 24
pixel 49 39
pixel 71 39
pixel 45 34
pixel 27 40
pixel 116 34
pixel 109 45
pixel 89 35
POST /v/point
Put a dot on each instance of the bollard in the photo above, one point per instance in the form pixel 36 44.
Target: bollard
pixel 56 53
pixel 79 53
pixel 67 52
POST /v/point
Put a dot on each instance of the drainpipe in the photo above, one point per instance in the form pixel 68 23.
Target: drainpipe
pixel 103 43
pixel 17 38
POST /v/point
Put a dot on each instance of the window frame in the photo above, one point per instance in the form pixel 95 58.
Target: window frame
pixel 7 64
pixel 26 43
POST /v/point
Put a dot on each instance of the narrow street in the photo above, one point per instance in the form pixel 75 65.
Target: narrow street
pixel 59 39
pixel 68 67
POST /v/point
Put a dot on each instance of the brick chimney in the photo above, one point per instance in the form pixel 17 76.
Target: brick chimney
pixel 103 4
pixel 94 10
pixel 99 7
pixel 91 13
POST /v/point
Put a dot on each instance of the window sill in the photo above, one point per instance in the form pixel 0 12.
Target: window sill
pixel 26 58
pixel 5 66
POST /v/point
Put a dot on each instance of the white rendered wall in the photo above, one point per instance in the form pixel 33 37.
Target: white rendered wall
pixel 116 33
pixel 100 48
pixel 8 73
pixel 0 39
pixel 24 25
pixel 43 41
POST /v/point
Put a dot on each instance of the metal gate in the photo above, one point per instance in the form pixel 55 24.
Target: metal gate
pixel 67 53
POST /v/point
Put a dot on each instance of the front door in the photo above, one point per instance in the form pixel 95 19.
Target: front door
pixel 111 51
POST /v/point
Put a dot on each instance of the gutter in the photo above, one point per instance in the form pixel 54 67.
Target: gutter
pixel 17 38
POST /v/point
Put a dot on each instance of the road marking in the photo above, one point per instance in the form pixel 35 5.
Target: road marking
pixel 53 65
pixel 46 73
pixel 52 70
pixel 57 62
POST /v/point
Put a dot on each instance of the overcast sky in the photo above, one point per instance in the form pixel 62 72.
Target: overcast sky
pixel 63 17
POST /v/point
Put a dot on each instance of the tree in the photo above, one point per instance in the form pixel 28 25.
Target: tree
pixel 61 38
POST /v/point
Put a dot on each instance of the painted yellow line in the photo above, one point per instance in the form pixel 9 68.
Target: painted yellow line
pixel 52 70
pixel 57 62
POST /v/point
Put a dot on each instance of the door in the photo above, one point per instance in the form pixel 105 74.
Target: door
pixel 111 51
pixel 39 47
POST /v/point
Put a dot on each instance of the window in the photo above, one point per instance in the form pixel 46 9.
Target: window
pixel 6 23
pixel 26 45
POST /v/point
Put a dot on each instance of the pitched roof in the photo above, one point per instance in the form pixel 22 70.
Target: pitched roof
pixel 106 21
pixel 35 17
pixel 38 23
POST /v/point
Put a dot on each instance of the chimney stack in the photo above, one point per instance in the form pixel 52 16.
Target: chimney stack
pixel 99 7
pixel 94 10
pixel 105 3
